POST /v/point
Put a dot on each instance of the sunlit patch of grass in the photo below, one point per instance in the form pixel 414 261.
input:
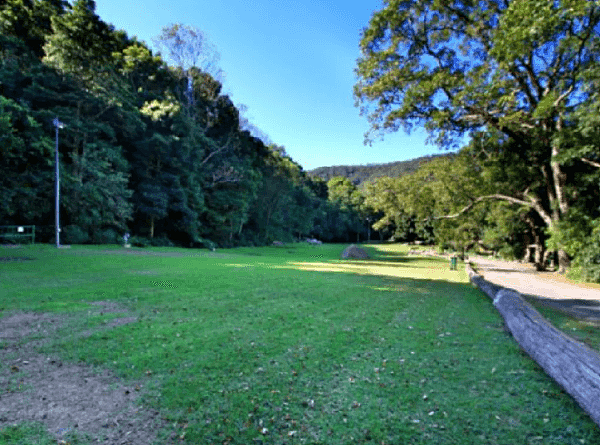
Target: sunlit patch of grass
pixel 424 269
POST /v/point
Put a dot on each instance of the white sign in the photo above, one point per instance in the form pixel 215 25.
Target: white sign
pixel 20 229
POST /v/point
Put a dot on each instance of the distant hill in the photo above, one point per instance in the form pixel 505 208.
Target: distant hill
pixel 359 174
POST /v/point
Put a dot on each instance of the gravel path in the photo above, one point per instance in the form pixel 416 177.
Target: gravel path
pixel 579 300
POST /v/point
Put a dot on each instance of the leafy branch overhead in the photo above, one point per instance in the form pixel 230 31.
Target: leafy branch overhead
pixel 463 66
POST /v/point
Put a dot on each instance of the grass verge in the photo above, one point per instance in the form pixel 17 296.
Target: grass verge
pixel 585 331
pixel 291 345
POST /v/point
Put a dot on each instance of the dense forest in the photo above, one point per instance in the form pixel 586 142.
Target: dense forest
pixel 149 144
pixel 359 174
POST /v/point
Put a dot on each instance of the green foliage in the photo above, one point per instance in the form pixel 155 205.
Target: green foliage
pixel 106 236
pixel 572 233
pixel 139 241
pixel 587 259
pixel 152 149
pixel 73 234
pixel 29 21
pixel 25 169
pixel 520 78
pixel 159 241
pixel 81 43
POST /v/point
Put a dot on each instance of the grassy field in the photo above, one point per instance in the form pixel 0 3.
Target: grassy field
pixel 291 345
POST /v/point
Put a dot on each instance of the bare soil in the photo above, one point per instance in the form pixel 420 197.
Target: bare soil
pixel 68 398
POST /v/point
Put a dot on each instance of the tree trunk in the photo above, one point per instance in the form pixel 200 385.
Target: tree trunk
pixel 574 366
pixel 563 261
pixel 560 180
pixel 152 227
pixel 539 255
pixel 563 258
pixel 527 258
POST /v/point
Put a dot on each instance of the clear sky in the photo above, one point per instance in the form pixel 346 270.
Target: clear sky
pixel 291 63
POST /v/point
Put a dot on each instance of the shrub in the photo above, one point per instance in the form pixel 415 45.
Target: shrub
pixel 106 236
pixel 161 242
pixel 139 241
pixel 73 234
pixel 588 259
pixel 208 244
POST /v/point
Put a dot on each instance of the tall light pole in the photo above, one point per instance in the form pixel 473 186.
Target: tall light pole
pixel 58 124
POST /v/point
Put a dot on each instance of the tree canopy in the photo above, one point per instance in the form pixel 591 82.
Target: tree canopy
pixel 513 75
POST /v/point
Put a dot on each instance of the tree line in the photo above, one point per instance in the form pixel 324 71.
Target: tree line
pixel 151 145
pixel 360 174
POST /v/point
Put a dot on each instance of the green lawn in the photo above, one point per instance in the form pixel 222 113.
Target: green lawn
pixel 316 350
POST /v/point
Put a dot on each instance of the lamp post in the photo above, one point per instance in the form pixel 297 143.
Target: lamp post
pixel 58 124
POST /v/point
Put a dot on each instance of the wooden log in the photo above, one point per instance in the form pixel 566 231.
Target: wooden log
pixel 573 365
pixel 490 289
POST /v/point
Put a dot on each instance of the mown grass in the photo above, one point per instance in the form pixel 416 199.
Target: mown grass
pixel 291 345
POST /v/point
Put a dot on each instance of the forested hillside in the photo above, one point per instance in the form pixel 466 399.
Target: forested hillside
pixel 149 143
pixel 359 174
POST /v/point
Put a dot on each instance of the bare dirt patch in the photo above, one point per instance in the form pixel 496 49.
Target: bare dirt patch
pixel 69 399
pixel 108 306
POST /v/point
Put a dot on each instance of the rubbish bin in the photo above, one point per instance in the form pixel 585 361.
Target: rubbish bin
pixel 453 260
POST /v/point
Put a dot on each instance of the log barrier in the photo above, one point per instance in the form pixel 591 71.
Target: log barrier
pixel 573 365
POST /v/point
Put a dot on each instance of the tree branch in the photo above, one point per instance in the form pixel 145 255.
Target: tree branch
pixel 563 96
pixel 477 201
pixel 216 152
pixel 226 174
pixel 590 162
pixel 531 202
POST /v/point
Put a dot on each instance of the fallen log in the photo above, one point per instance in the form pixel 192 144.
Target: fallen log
pixel 573 365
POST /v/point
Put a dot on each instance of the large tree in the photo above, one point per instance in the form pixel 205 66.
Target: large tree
pixel 513 70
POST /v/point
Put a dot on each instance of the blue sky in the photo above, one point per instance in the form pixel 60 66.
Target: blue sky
pixel 291 63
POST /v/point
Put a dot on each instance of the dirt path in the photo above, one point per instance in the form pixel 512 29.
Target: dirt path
pixel 579 300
